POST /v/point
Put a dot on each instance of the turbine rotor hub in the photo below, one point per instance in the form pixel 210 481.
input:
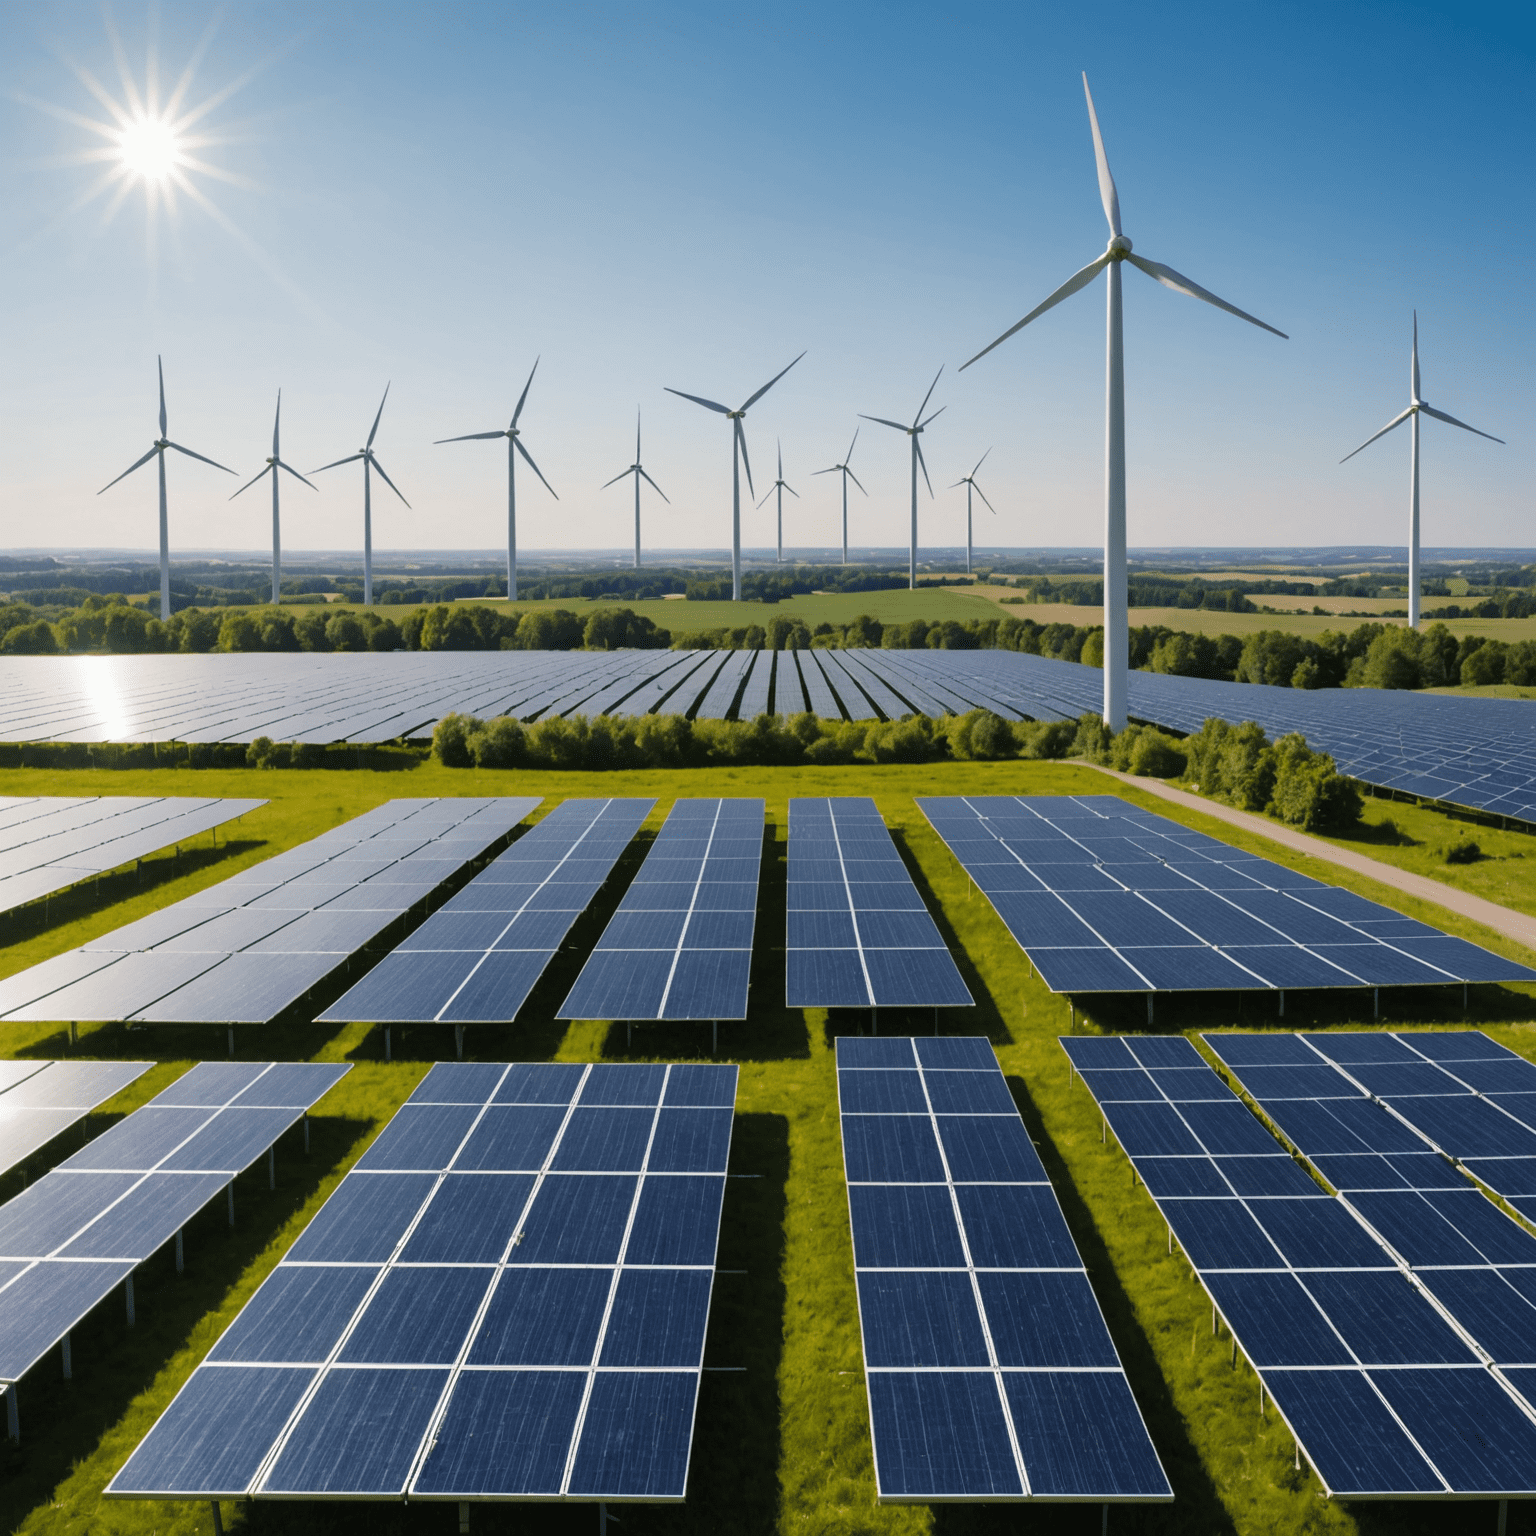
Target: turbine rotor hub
pixel 1120 247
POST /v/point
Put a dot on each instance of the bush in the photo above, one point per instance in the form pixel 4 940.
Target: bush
pixel 499 743
pixel 1287 780
pixel 1462 851
pixel 35 639
pixel 450 740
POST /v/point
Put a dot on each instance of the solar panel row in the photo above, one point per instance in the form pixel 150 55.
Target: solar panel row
pixel 506 1298
pixel 1378 1380
pixel 1107 897
pixel 990 1371
pixel 41 1099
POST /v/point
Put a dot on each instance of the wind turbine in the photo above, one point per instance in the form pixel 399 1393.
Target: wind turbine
pixel 370 463
pixel 781 485
pixel 1116 635
pixel 274 464
pixel 847 474
pixel 739 461
pixel 161 443
pixel 638 471
pixel 919 423
pixel 969 482
pixel 1416 408
pixel 514 447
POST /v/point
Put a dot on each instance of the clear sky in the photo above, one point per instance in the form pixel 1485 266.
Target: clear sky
pixel 690 195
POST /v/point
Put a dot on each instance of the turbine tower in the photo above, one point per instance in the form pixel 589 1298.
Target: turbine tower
pixel 370 463
pixel 157 451
pixel 969 482
pixel 739 461
pixel 847 474
pixel 919 423
pixel 514 447
pixel 781 485
pixel 274 464
pixel 1116 634
pixel 1416 408
pixel 638 471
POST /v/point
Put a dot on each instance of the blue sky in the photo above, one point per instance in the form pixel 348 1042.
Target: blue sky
pixel 689 196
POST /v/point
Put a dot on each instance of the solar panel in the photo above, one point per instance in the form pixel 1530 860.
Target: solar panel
pixel 41 1099
pixel 680 944
pixel 243 951
pixel 476 959
pixel 858 933
pixel 506 1298
pixel 1106 897
pixel 1374 1375
pixel 990 1371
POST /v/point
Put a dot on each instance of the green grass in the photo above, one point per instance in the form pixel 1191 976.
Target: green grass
pixel 782 1446
pixel 1206 621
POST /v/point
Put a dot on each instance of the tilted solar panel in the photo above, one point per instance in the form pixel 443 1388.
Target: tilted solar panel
pixel 41 1099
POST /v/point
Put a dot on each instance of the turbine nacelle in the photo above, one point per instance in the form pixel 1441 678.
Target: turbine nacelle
pixel 1119 247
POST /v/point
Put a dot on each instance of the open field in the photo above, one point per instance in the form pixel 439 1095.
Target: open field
pixel 783 1445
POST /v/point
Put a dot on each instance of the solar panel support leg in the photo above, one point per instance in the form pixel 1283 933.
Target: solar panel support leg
pixel 1150 996
pixel 714 1037
pixel 306 1135
pixel 231 1192
pixel 272 1166
pixel 1261 1397
pixel 874 1021
pixel 12 1417
pixel 1104 1524
pixel 1282 1002
pixel 387 1056
pixel 128 1297
pixel 1375 1002
pixel 458 1041
pixel 68 1372
pixel 1298 1455
pixel 1213 1319
pixel 218 1519
pixel 180 1254
pixel 74 1033
pixel 1464 992
pixel 231 1042
pixel 1503 1516
pixel 1170 1239
pixel 463 1520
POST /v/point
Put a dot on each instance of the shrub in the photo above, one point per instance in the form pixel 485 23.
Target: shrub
pixel 1045 738
pixel 35 639
pixel 1308 790
pixel 1462 851
pixel 450 740
pixel 498 743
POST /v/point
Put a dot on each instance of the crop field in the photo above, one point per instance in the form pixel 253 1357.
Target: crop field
pixel 782 1442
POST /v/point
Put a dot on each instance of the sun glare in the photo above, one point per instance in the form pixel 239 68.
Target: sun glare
pixel 149 148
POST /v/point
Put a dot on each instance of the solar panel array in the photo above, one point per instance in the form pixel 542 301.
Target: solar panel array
pixel 506 1298
pixel 41 1099
pixel 858 934
pixel 476 959
pixel 1389 1393
pixel 82 1229
pixel 990 1371
pixel 48 842
pixel 242 951
pixel 680 944
pixel 1106 897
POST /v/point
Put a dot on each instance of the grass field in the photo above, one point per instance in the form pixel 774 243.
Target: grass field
pixel 783 1445
pixel 1204 621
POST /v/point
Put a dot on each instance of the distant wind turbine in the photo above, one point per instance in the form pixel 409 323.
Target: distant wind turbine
pixel 514 447
pixel 739 461
pixel 847 474
pixel 161 443
pixel 1416 408
pixel 638 471
pixel 274 464
pixel 919 423
pixel 1116 633
pixel 781 485
pixel 969 482
pixel 370 463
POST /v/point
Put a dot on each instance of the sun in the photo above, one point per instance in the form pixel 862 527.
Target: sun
pixel 150 148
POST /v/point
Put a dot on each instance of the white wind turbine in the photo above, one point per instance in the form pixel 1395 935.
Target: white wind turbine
pixel 847 474
pixel 514 447
pixel 638 471
pixel 274 464
pixel 1116 634
pixel 370 463
pixel 1416 408
pixel 919 423
pixel 969 482
pixel 739 461
pixel 781 485
pixel 161 443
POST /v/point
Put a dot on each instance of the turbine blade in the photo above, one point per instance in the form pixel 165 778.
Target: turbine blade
pixel 1429 410
pixel 1107 194
pixel 179 449
pixel 375 431
pixel 524 396
pixel 296 475
pixel 753 399
pixel 780 443
pixel 709 405
pixel 252 481
pixel 849 454
pixel 834 469
pixel 983 495
pixel 741 442
pixel 917 448
pixel 337 465
pixel 276 420
pixel 1413 382
pixel 982 460
pixel 854 478
pixel 1079 279
pixel 956 486
pixel 916 420
pixel 900 426
pixel 766 494
pixel 1396 421
pixel 387 481
pixel 518 444
pixel 160 366
pixel 622 475
pixel 934 417
pixel 137 463
pixel 656 487
pixel 637 435
pixel 792 491
pixel 468 437
pixel 1181 284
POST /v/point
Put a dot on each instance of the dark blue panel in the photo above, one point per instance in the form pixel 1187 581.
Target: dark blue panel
pixel 458 1082
pixel 1468 1426
pixel 1415 1229
pixel 1508 1175
pixel 500 985
pixel 1401 1170
pixel 1016 1226
pixel 1350 1047
pixel 1276 1320
pixel 209 1084
pixel 720 930
pixel 861 1051
pixel 1470 1128
pixel 1045 1320
pixel 898 930
pixel 456 930
pixel 971 1053
pixel 610 1083
pixel 1378 966
pixel 891 1149
pixel 404 987
pixel 884 895
pixel 1492 1310
pixel 924 978
pixel 1302 924
pixel 471 1219
pixel 1319 1082
pixel 904 1226
pixel 989 1149
pixel 511 1138
pixel 1278 1050
pixel 231 1141
pixel 543 1317
pixel 1458 1045
pixel 1187 968
pixel 1271 1175
pixel 1213 919
pixel 709 984
pixel 701 1085
pixel 576 1219
pixel 363 1221
pixel 658 1318
pixel 504 1433
pixel 1082 1436
pixel 1350 1434
pixel 1375 1128
pixel 1165 1052
pixel 1319 1234
pixel 1172 1176
pixel 818 896
pixel 359 1433
pixel 643 930
pixel 1150 1130
pixel 636 1436
pixel 1220 1234
pixel 824 978
pixel 213 1437
pixel 969 1093
pixel 141 1221
pixel 1086 970
pixel 1104 1051
pixel 1485 1226
pixel 297 1315
pixel 1228 1130
pixel 1466 962
pixel 1039 918
pixel 690 1140
pixel 50 1212
pixel 292 1084
pixel 1389 1079
pixel 820 929
pixel 604 1140
pixel 539 1083
pixel 879 1092
pixel 44 1303
pixel 940 1435
pixel 420 1136
pixel 141 1140
pixel 659 896
pixel 1190 1085
pixel 1386 1321
pixel 677 1220
pixel 920 1318
pixel 535 930
pixel 619 984
pixel 417 1317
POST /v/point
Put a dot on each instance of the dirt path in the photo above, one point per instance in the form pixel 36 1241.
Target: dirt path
pixel 1513 925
